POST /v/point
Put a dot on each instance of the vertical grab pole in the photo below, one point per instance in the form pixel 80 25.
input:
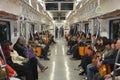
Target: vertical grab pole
pixel 116 60
pixel 4 62
pixel 98 32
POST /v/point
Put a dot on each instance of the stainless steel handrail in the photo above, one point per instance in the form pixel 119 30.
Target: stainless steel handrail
pixel 116 64
pixel 4 65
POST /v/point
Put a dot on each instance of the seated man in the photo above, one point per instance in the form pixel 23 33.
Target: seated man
pixel 21 48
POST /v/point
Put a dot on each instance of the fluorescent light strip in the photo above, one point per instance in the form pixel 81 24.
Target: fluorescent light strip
pixel 67 71
pixel 53 70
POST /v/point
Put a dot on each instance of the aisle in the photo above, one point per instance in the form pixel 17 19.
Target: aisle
pixel 60 65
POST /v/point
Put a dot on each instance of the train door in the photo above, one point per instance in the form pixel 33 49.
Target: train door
pixel 114 29
pixel 4 31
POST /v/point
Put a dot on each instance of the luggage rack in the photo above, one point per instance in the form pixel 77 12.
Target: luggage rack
pixel 116 65
pixel 4 66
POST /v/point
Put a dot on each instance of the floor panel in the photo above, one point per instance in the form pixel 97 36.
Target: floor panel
pixel 60 65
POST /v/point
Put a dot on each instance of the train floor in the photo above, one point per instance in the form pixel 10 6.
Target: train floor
pixel 60 66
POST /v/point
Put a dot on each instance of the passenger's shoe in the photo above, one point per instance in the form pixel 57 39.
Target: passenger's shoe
pixel 79 65
pixel 73 58
pixel 68 53
pixel 45 68
pixel 85 78
pixel 48 54
pixel 82 73
pixel 46 59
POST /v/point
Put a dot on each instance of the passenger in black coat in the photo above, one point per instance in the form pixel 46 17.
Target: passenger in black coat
pixel 20 47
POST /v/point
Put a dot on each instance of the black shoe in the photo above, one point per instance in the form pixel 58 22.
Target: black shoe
pixel 73 58
pixel 48 54
pixel 45 68
pixel 46 59
pixel 82 73
pixel 79 65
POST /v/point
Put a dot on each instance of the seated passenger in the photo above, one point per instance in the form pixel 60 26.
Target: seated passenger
pixel 110 60
pixel 29 53
pixel 92 68
pixel 85 60
pixel 36 43
pixel 17 65
pixel 21 47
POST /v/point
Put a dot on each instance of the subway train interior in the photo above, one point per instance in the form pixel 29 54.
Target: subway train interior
pixel 59 39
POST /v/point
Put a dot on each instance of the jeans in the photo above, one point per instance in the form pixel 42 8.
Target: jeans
pixel 98 77
pixel 90 71
pixel 39 63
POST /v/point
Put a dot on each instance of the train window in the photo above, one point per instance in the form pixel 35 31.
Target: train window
pixel 4 31
pixel 23 29
pixel 87 28
pixel 114 29
pixel 32 28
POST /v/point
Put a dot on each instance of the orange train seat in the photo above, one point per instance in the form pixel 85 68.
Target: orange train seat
pixel 82 50
pixel 45 40
pixel 37 51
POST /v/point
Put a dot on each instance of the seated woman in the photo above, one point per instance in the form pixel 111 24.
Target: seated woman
pixel 86 59
pixel 21 69
pixel 21 60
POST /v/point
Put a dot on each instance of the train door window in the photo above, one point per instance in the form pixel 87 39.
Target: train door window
pixel 32 28
pixel 23 29
pixel 4 31
pixel 86 28
pixel 114 29
pixel 42 27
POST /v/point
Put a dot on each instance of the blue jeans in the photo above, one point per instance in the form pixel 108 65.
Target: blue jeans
pixel 90 71
pixel 98 77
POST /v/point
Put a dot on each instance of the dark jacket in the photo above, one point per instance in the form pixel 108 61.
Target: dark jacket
pixel 20 49
pixel 111 59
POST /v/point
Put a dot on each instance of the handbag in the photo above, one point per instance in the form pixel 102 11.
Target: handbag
pixel 104 70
